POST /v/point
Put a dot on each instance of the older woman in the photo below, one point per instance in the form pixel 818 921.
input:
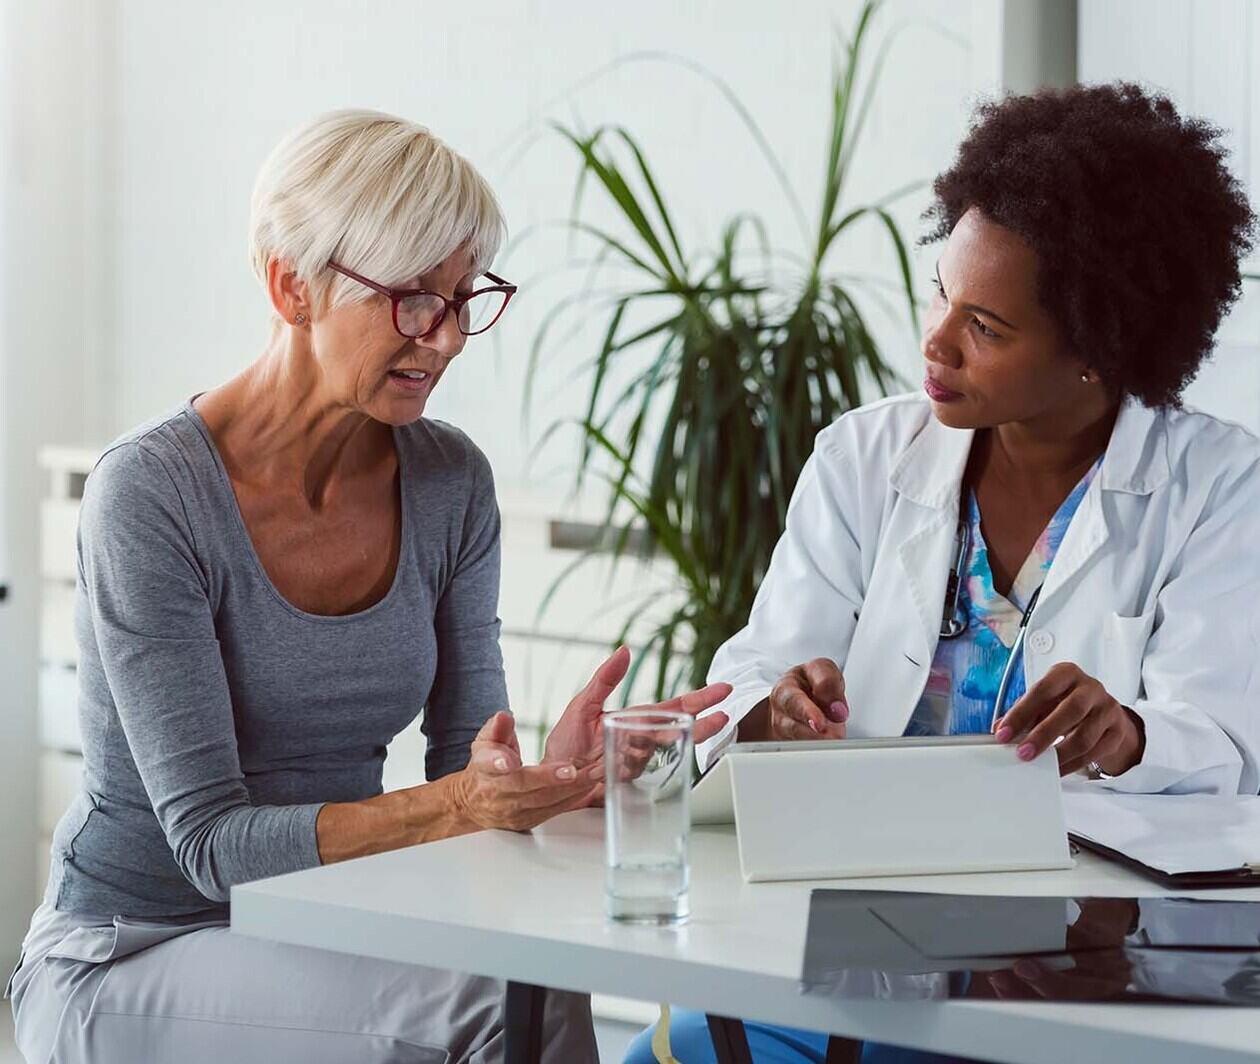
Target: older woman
pixel 274 580
pixel 1044 543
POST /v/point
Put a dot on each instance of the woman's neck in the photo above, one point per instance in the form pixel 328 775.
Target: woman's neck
pixel 277 427
pixel 1046 455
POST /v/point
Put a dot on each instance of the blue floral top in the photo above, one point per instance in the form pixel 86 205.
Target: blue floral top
pixel 966 671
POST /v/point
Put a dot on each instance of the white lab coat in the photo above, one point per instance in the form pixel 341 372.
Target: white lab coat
pixel 1155 589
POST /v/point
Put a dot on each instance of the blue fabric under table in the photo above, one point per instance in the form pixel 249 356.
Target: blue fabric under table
pixel 689 1039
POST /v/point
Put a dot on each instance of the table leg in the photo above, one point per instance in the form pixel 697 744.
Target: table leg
pixel 730 1042
pixel 843 1050
pixel 523 1023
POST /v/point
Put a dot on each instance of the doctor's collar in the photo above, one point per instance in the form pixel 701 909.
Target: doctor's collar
pixel 930 470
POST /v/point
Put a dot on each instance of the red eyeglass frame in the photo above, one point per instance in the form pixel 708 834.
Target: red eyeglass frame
pixel 397 295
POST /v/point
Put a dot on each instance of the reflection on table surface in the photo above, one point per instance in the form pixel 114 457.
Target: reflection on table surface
pixel 907 947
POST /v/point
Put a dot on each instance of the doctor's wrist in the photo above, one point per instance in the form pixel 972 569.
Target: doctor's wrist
pixel 754 726
pixel 1132 747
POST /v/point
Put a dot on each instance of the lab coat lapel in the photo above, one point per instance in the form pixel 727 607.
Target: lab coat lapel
pixel 925 561
pixel 1084 538
pixel 1136 462
pixel 929 475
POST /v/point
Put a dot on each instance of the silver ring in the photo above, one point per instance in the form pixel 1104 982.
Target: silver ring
pixel 1095 769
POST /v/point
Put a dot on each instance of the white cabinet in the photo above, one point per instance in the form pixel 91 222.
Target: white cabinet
pixel 60 765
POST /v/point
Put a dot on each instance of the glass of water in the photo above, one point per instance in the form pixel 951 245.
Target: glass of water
pixel 647 815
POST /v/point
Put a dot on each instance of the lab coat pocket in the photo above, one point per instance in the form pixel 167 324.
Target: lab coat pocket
pixel 1123 649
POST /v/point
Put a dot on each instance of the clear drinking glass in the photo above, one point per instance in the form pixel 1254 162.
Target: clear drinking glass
pixel 647 815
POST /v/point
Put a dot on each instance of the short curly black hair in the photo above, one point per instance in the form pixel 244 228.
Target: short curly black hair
pixel 1137 224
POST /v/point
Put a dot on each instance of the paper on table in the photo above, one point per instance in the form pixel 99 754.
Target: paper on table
pixel 1172 833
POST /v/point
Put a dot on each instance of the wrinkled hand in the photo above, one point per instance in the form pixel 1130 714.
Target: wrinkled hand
pixel 497 791
pixel 1070 703
pixel 809 702
pixel 578 737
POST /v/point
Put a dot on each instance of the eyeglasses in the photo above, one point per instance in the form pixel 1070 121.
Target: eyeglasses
pixel 418 313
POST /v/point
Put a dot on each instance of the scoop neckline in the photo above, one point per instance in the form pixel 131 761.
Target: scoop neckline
pixel 404 546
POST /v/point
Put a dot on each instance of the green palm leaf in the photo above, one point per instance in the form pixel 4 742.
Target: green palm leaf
pixel 722 392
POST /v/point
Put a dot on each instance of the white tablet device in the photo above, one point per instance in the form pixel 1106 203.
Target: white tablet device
pixel 711 800
pixel 886 807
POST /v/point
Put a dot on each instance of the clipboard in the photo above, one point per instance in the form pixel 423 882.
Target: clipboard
pixel 1246 876
pixel 1182 841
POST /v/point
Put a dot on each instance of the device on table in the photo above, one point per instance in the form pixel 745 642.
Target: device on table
pixel 881 807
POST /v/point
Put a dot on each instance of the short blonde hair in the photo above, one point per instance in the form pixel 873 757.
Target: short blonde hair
pixel 376 193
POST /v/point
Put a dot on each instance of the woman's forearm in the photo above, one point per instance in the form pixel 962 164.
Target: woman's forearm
pixel 425 813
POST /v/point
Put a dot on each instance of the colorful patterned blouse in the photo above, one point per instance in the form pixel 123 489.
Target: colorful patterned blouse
pixel 966 671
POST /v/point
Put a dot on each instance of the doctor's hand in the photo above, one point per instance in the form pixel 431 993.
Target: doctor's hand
pixel 808 703
pixel 1070 703
pixel 578 737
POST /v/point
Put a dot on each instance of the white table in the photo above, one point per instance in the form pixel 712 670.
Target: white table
pixel 529 909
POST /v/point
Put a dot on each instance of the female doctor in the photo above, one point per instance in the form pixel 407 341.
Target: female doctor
pixel 1044 543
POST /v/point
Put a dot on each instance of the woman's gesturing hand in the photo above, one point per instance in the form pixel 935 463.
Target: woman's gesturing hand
pixel 809 702
pixel 1070 703
pixel 578 737
pixel 497 791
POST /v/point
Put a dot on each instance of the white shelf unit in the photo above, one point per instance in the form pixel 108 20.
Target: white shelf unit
pixel 548 657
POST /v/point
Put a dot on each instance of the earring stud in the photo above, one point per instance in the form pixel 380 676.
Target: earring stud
pixel 1085 377
pixel 299 319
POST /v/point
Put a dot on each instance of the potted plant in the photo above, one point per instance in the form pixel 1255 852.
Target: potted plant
pixel 739 367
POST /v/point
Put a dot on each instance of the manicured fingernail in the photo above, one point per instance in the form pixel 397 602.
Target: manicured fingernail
pixel 813 727
pixel 1026 752
pixel 839 712
pixel 1004 734
pixel 566 772
pixel 500 763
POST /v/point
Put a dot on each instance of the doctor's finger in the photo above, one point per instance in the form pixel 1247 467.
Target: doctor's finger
pixel 786 728
pixel 798 709
pixel 826 685
pixel 789 700
pixel 1061 720
pixel 1108 743
pixel 1080 742
pixel 1039 701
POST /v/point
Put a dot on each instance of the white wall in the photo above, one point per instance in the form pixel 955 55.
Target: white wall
pixel 1205 54
pixel 198 95
pixel 49 352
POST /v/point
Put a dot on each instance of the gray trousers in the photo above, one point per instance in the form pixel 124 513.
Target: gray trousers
pixel 130 991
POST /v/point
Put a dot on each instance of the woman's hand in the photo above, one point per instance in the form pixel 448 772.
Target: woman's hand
pixel 578 737
pixel 809 703
pixel 1095 727
pixel 497 791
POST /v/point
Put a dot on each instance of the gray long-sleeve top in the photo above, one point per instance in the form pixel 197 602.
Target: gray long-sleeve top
pixel 217 717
